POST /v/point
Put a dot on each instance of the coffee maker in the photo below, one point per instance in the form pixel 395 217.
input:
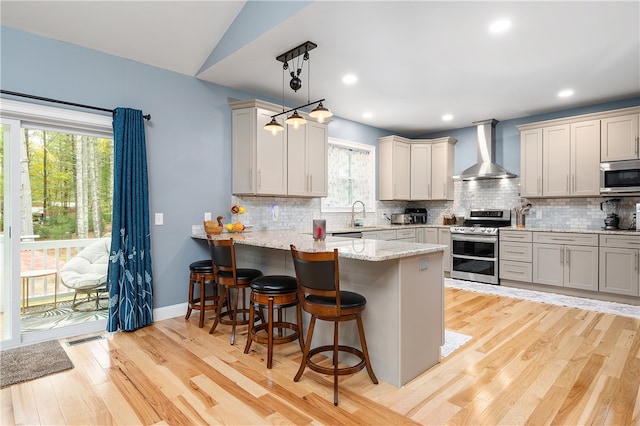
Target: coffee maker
pixel 611 207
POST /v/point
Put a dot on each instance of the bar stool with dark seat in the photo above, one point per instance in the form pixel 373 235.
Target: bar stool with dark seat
pixel 274 292
pixel 234 280
pixel 201 272
pixel 319 293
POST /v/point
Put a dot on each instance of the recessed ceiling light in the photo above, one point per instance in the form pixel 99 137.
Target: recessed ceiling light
pixel 349 79
pixel 500 26
pixel 367 115
pixel 447 117
pixel 565 93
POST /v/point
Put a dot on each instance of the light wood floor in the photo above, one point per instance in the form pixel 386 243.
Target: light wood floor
pixel 527 363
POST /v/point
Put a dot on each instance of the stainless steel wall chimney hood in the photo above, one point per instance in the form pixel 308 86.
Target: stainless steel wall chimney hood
pixel 485 168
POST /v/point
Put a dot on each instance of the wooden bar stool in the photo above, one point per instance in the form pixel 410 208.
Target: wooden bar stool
pixel 320 295
pixel 201 272
pixel 234 280
pixel 274 292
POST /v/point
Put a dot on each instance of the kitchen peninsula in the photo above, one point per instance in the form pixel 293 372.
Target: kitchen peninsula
pixel 402 281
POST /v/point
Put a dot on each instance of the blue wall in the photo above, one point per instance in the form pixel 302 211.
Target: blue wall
pixel 188 137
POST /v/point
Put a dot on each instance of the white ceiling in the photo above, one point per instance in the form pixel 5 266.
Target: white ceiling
pixel 415 61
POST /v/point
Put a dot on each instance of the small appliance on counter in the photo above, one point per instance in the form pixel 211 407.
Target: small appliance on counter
pixel 418 214
pixel 400 219
pixel 612 208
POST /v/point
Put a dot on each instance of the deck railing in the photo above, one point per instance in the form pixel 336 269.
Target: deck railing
pixel 40 255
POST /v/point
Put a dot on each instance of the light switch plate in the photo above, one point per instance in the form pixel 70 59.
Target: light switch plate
pixel 207 215
pixel 159 218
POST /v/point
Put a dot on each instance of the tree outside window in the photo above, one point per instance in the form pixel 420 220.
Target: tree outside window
pixel 351 168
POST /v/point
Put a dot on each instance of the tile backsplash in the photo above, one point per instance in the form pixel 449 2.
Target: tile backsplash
pixel 571 213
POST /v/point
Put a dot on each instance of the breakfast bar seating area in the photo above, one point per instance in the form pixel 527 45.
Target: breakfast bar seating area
pixel 401 282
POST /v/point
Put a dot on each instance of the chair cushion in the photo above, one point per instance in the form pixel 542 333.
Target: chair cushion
pixel 348 299
pixel 88 269
pixel 201 266
pixel 274 284
pixel 242 274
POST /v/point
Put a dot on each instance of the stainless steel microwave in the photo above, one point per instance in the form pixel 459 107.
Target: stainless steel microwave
pixel 620 178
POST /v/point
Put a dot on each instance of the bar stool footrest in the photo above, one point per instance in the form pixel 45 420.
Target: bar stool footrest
pixel 264 339
pixel 342 371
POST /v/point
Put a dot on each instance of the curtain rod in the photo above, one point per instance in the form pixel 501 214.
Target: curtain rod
pixel 40 98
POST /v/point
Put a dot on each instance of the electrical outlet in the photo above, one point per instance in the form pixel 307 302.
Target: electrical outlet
pixel 424 263
pixel 207 215
pixel 159 218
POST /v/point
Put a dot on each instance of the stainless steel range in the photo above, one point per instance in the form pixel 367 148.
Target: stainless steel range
pixel 474 245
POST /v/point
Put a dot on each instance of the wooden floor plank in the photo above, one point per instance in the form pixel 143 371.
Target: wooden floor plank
pixel 526 363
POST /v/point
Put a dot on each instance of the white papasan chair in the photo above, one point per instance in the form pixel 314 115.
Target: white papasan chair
pixel 86 273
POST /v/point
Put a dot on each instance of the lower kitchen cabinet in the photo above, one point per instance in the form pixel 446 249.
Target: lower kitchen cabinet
pixel 444 238
pixel 620 264
pixel 566 260
pixel 408 235
pixel 436 235
pixel 516 253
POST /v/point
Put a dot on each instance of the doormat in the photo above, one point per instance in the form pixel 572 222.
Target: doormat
pixel 452 342
pixel 32 362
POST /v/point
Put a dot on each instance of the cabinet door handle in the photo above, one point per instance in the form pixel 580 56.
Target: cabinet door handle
pixel 429 190
pixel 568 257
pixel 562 256
pixel 251 179
pixel 637 263
pixel 310 183
pixel 538 186
pixel 259 179
pixel 566 185
pixel 573 183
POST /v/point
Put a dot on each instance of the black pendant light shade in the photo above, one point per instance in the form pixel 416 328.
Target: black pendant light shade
pixel 320 113
pixel 295 120
pixel 274 127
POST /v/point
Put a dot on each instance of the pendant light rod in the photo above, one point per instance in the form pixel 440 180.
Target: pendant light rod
pixel 296 51
pixel 297 108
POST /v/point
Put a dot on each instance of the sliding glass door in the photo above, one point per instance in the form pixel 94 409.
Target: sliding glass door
pixel 9 265
pixel 56 201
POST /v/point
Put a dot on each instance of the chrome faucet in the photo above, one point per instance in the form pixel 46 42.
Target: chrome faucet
pixel 353 208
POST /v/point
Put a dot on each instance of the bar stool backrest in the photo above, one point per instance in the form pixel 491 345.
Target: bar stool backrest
pixel 223 257
pixel 318 274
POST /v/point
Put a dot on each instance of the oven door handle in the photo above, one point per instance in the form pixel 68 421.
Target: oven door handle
pixel 486 239
pixel 471 257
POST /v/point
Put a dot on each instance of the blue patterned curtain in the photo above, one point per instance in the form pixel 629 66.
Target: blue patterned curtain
pixel 129 278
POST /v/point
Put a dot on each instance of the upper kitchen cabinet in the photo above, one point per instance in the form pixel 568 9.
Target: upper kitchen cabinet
pixel 418 169
pixel 394 172
pixel 531 163
pixel 560 158
pixel 442 164
pixel 620 138
pixel 290 163
pixel 307 160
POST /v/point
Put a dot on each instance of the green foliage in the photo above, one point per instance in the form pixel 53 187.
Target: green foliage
pixel 52 170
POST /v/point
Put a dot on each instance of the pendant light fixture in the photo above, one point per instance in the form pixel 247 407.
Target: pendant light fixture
pixel 296 120
pixel 320 113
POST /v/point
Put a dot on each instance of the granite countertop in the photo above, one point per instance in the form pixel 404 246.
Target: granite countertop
pixel 359 249
pixel 632 232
